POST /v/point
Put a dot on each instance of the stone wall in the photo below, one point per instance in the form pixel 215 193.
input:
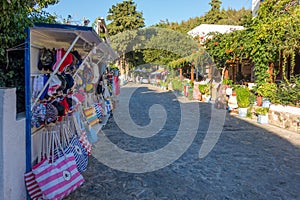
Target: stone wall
pixel 287 117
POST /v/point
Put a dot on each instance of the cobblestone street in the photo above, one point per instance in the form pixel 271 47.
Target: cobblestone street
pixel 249 161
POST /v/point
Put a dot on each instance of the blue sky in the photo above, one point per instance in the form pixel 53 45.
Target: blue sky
pixel 153 10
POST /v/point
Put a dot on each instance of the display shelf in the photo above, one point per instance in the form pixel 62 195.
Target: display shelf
pixel 84 40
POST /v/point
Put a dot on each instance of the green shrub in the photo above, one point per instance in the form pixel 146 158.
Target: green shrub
pixel 243 97
pixel 267 90
pixel 261 111
pixel 227 81
pixel 288 93
pixel 177 85
pixel 203 89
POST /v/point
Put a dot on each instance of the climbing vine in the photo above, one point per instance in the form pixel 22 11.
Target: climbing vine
pixel 271 37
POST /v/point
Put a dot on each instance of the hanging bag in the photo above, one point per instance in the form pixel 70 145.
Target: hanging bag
pixel 74 146
pixel 59 178
pixel 81 132
pixel 99 110
pixel 32 186
pixel 89 110
pixel 91 134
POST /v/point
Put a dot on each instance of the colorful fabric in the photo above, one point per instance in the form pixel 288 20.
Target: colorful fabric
pixel 80 153
pixel 91 116
pixel 91 134
pixel 54 84
pixel 57 180
pixel 116 85
pixel 108 106
pixel 44 94
pixel 94 121
pixel 82 132
pixel 38 115
pixel 85 142
pixel 38 84
pixel 99 110
pixel 32 186
pixel 51 113
pixel 59 55
pixel 88 111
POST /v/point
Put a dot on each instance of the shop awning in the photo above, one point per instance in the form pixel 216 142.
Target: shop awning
pixel 60 35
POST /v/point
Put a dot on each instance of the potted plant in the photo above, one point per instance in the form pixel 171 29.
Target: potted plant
pixel 262 114
pixel 267 91
pixel 227 82
pixel 243 100
pixel 204 90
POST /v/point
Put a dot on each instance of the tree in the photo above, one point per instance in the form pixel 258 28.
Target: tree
pixel 15 16
pixel 124 16
pixel 214 14
pixel 235 17
pixel 164 46
pixel 230 17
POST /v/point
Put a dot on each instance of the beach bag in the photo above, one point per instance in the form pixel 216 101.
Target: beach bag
pixel 91 134
pixel 80 129
pixel 32 186
pixel 99 110
pixel 80 153
pixel 59 178
pixel 71 144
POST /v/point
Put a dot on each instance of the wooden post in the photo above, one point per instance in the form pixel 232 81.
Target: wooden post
pixel 271 66
pixel 192 73
pixel 180 73
pixel 226 74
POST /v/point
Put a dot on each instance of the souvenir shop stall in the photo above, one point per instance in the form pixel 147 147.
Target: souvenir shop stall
pixel 70 93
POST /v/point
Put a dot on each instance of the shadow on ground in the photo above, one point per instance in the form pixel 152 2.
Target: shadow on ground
pixel 248 161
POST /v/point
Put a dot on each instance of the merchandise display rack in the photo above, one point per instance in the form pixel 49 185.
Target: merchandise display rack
pixel 54 36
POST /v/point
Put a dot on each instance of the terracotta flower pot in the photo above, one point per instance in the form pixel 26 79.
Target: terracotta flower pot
pixel 259 100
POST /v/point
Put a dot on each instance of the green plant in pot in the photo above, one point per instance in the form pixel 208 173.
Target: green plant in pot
pixel 261 111
pixel 268 91
pixel 262 115
pixel 243 100
pixel 204 90
pixel 227 81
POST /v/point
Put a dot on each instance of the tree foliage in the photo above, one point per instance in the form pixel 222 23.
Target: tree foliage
pixel 123 17
pixel 159 46
pixel 230 17
pixel 272 35
pixel 166 45
pixel 213 16
pixel 15 16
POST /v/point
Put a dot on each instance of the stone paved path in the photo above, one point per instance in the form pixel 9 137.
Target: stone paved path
pixel 249 161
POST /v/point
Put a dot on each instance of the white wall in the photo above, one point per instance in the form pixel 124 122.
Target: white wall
pixel 12 148
pixel 255 7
